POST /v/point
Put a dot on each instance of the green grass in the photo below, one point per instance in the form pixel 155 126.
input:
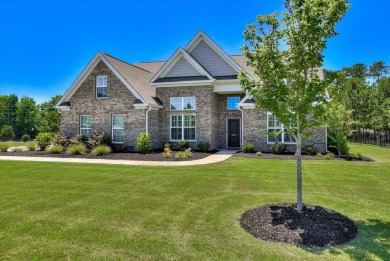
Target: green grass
pixel 17 143
pixel 81 211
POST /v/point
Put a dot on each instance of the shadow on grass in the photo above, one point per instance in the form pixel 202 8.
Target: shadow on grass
pixel 372 242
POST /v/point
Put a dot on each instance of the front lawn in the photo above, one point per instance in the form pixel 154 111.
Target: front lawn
pixel 17 143
pixel 82 211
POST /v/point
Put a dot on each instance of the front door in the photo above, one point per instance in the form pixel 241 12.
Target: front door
pixel 233 133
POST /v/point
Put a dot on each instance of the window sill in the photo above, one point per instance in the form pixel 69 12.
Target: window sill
pixel 101 98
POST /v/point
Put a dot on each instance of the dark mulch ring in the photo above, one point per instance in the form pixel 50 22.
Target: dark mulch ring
pixel 291 156
pixel 315 226
pixel 152 156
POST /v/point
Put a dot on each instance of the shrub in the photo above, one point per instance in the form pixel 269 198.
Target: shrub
pixel 60 139
pixel 167 153
pixel 204 146
pixel 319 154
pixel 248 147
pixel 183 144
pixel 167 144
pixel 7 133
pixel 144 142
pixel 31 146
pixel 25 137
pixel 43 139
pixel 76 149
pixel 329 155
pixel 55 149
pixel 309 149
pixel 4 147
pixel 184 154
pixel 78 139
pixel 100 139
pixel 17 149
pixel 278 148
pixel 259 153
pixel 359 155
pixel 101 150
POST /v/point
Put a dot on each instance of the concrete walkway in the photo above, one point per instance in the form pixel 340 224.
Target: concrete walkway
pixel 217 157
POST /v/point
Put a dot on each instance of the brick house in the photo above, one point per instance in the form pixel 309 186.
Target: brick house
pixel 193 96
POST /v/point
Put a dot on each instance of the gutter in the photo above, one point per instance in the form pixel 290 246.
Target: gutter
pixel 147 118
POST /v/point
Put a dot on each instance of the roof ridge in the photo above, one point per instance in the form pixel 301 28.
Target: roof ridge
pixel 127 62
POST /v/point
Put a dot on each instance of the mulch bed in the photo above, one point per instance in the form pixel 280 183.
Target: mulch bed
pixel 293 157
pixel 153 156
pixel 315 226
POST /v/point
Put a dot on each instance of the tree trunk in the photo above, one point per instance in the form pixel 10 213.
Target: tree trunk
pixel 299 167
pixel 299 175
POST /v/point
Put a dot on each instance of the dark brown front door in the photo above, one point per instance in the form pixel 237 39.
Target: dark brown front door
pixel 233 135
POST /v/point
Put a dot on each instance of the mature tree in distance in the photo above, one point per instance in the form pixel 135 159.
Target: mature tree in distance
pixel 285 52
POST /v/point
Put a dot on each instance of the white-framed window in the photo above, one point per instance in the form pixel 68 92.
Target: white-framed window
pixel 183 103
pixel 118 128
pixel 182 127
pixel 101 86
pixel 274 126
pixel 232 103
pixel 86 125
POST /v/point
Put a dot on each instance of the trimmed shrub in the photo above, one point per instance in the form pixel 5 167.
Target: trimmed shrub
pixel 101 150
pixel 259 153
pixel 25 137
pixel 43 140
pixel 167 153
pixel 76 149
pixel 144 143
pixel 319 154
pixel 329 155
pixel 98 139
pixel 4 147
pixel 248 147
pixel 55 149
pixel 359 155
pixel 278 148
pixel 309 149
pixel 204 146
pixel 183 144
pixel 7 133
pixel 60 139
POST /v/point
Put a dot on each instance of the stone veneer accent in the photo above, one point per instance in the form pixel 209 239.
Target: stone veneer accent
pixel 119 101
pixel 255 122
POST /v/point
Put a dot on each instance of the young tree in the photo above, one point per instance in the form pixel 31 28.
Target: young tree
pixel 26 117
pixel 289 86
pixel 339 126
pixel 49 117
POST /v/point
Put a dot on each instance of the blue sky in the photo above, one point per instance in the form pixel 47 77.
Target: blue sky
pixel 45 44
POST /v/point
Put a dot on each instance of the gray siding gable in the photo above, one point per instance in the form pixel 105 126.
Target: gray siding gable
pixel 211 61
pixel 182 68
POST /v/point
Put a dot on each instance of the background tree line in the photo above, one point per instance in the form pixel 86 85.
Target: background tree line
pixel 25 116
pixel 365 91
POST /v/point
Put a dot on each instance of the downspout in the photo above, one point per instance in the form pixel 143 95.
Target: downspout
pixel 147 119
pixel 242 124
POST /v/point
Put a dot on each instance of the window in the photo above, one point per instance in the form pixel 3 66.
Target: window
pixel 101 86
pixel 86 125
pixel 183 103
pixel 118 128
pixel 183 127
pixel 274 126
pixel 232 103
